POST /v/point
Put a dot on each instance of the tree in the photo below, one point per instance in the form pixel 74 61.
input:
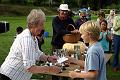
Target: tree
pixel 39 2
pixel 78 2
pixel 50 2
pixel 22 2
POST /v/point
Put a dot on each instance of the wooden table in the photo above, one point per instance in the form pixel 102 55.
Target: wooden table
pixel 72 67
pixel 107 57
pixel 65 73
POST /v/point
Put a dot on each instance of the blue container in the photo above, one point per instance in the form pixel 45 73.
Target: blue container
pixel 46 34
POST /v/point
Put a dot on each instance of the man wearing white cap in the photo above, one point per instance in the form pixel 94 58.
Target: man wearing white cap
pixel 59 24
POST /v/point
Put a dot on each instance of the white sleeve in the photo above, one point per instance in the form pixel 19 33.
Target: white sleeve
pixel 39 52
pixel 28 52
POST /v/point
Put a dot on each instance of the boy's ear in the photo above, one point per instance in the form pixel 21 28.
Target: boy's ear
pixel 90 35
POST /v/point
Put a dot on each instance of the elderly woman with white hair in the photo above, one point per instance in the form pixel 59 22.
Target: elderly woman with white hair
pixel 24 52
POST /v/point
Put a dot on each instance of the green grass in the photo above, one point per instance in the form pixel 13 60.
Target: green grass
pixel 7 38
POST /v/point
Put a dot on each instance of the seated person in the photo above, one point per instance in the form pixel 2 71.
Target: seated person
pixel 105 36
pixel 18 30
pixel 101 16
pixel 81 20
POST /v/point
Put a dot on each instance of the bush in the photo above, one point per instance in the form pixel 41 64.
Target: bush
pixel 17 10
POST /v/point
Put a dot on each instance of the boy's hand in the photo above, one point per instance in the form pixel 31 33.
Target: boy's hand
pixel 73 74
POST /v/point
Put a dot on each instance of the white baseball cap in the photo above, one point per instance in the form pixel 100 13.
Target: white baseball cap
pixel 64 7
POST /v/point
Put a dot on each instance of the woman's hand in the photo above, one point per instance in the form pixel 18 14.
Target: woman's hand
pixel 108 37
pixel 52 59
pixel 73 74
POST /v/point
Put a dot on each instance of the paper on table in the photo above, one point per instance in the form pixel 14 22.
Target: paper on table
pixel 63 59
pixel 77 70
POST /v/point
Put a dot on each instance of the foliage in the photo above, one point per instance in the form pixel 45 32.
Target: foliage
pixel 94 4
pixel 38 2
pixel 18 10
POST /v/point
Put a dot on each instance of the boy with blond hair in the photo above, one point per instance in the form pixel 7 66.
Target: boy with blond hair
pixel 94 64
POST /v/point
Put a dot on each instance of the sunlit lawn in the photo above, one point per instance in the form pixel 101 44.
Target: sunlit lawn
pixel 7 38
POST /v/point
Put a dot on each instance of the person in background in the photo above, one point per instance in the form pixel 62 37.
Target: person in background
pixel 40 38
pixel 59 25
pixel 105 37
pixel 88 13
pixel 20 63
pixel 94 64
pixel 18 30
pixel 101 16
pixel 81 20
pixel 116 42
pixel 110 19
